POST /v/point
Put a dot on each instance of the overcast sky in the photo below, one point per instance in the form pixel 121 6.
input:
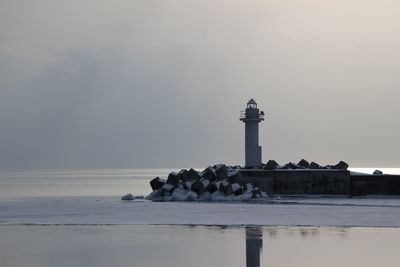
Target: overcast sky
pixel 133 84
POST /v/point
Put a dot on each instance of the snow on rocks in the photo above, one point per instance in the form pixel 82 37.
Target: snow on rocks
pixel 128 197
pixel 303 164
pixel 215 183
pixel 235 187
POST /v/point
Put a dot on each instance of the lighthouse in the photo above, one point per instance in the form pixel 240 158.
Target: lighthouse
pixel 252 116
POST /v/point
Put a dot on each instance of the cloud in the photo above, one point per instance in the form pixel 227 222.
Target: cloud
pixel 96 84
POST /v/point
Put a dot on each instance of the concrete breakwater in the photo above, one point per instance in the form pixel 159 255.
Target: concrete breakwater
pixel 381 184
pixel 306 178
pixel 321 182
pixel 299 181
pixel 221 182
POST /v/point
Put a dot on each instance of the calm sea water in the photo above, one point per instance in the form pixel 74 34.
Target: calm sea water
pixel 110 182
pixel 59 183
pixel 182 246
pixel 166 245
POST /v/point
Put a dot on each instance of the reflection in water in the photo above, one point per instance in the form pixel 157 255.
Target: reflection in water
pixel 304 232
pixel 253 246
pixel 308 232
pixel 254 239
pixel 182 246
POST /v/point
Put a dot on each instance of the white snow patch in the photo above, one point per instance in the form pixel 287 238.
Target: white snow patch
pixel 191 196
pixel 177 195
pixel 167 187
pixel 235 187
pixel 205 182
pixel 189 184
pixel 249 188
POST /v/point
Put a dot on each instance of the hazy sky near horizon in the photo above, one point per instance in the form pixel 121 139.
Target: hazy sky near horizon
pixel 129 84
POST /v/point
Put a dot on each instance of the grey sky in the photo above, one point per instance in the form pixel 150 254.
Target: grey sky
pixel 111 84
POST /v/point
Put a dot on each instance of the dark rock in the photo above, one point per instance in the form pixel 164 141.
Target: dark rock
pixel 340 166
pixel 377 172
pixel 156 183
pixel 174 179
pixel 198 187
pixel 303 163
pixel 234 177
pixel 239 191
pixel 211 188
pixel 314 165
pixel 184 175
pixel 221 172
pixel 256 193
pixel 271 165
pixel 193 175
pixel 228 189
pixel 208 174
pixel 221 187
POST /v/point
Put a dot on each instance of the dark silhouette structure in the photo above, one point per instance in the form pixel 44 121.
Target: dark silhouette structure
pixel 252 116
pixel 253 246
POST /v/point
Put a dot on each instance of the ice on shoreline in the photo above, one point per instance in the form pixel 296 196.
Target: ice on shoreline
pixel 354 212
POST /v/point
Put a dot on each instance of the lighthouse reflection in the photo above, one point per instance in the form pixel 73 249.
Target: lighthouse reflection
pixel 253 246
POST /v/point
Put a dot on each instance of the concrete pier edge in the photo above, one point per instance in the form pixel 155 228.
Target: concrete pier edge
pixel 321 182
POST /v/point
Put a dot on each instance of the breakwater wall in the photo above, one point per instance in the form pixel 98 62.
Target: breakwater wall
pixel 321 182
pixel 382 184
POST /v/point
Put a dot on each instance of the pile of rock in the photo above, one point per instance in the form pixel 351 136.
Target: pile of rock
pixel 303 164
pixel 215 183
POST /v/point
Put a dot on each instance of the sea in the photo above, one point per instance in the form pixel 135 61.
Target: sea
pixel 77 218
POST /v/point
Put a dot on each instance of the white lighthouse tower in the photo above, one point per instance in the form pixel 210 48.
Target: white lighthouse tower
pixel 252 116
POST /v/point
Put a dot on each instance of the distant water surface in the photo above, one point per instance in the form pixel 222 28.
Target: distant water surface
pixel 97 182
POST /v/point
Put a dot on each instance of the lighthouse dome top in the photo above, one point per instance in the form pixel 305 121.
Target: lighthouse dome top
pixel 251 104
